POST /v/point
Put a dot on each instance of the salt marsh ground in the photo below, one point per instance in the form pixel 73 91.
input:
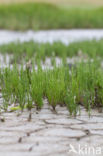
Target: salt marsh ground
pixel 43 111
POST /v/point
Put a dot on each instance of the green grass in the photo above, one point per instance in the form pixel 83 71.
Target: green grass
pixel 47 16
pixel 81 84
pixel 35 51
pixel 62 86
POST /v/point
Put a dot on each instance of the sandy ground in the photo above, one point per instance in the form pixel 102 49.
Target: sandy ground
pixel 60 2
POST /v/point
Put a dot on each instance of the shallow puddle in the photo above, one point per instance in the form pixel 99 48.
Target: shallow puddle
pixel 65 36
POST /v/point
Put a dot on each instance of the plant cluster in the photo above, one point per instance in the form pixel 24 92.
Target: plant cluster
pixel 64 86
pixel 36 51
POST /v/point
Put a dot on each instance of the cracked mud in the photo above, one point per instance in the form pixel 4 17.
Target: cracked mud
pixel 48 133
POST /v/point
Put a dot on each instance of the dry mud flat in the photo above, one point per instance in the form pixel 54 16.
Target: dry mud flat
pixel 51 134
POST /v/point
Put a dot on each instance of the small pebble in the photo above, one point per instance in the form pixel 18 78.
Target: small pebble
pixel 2 119
pixel 20 140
